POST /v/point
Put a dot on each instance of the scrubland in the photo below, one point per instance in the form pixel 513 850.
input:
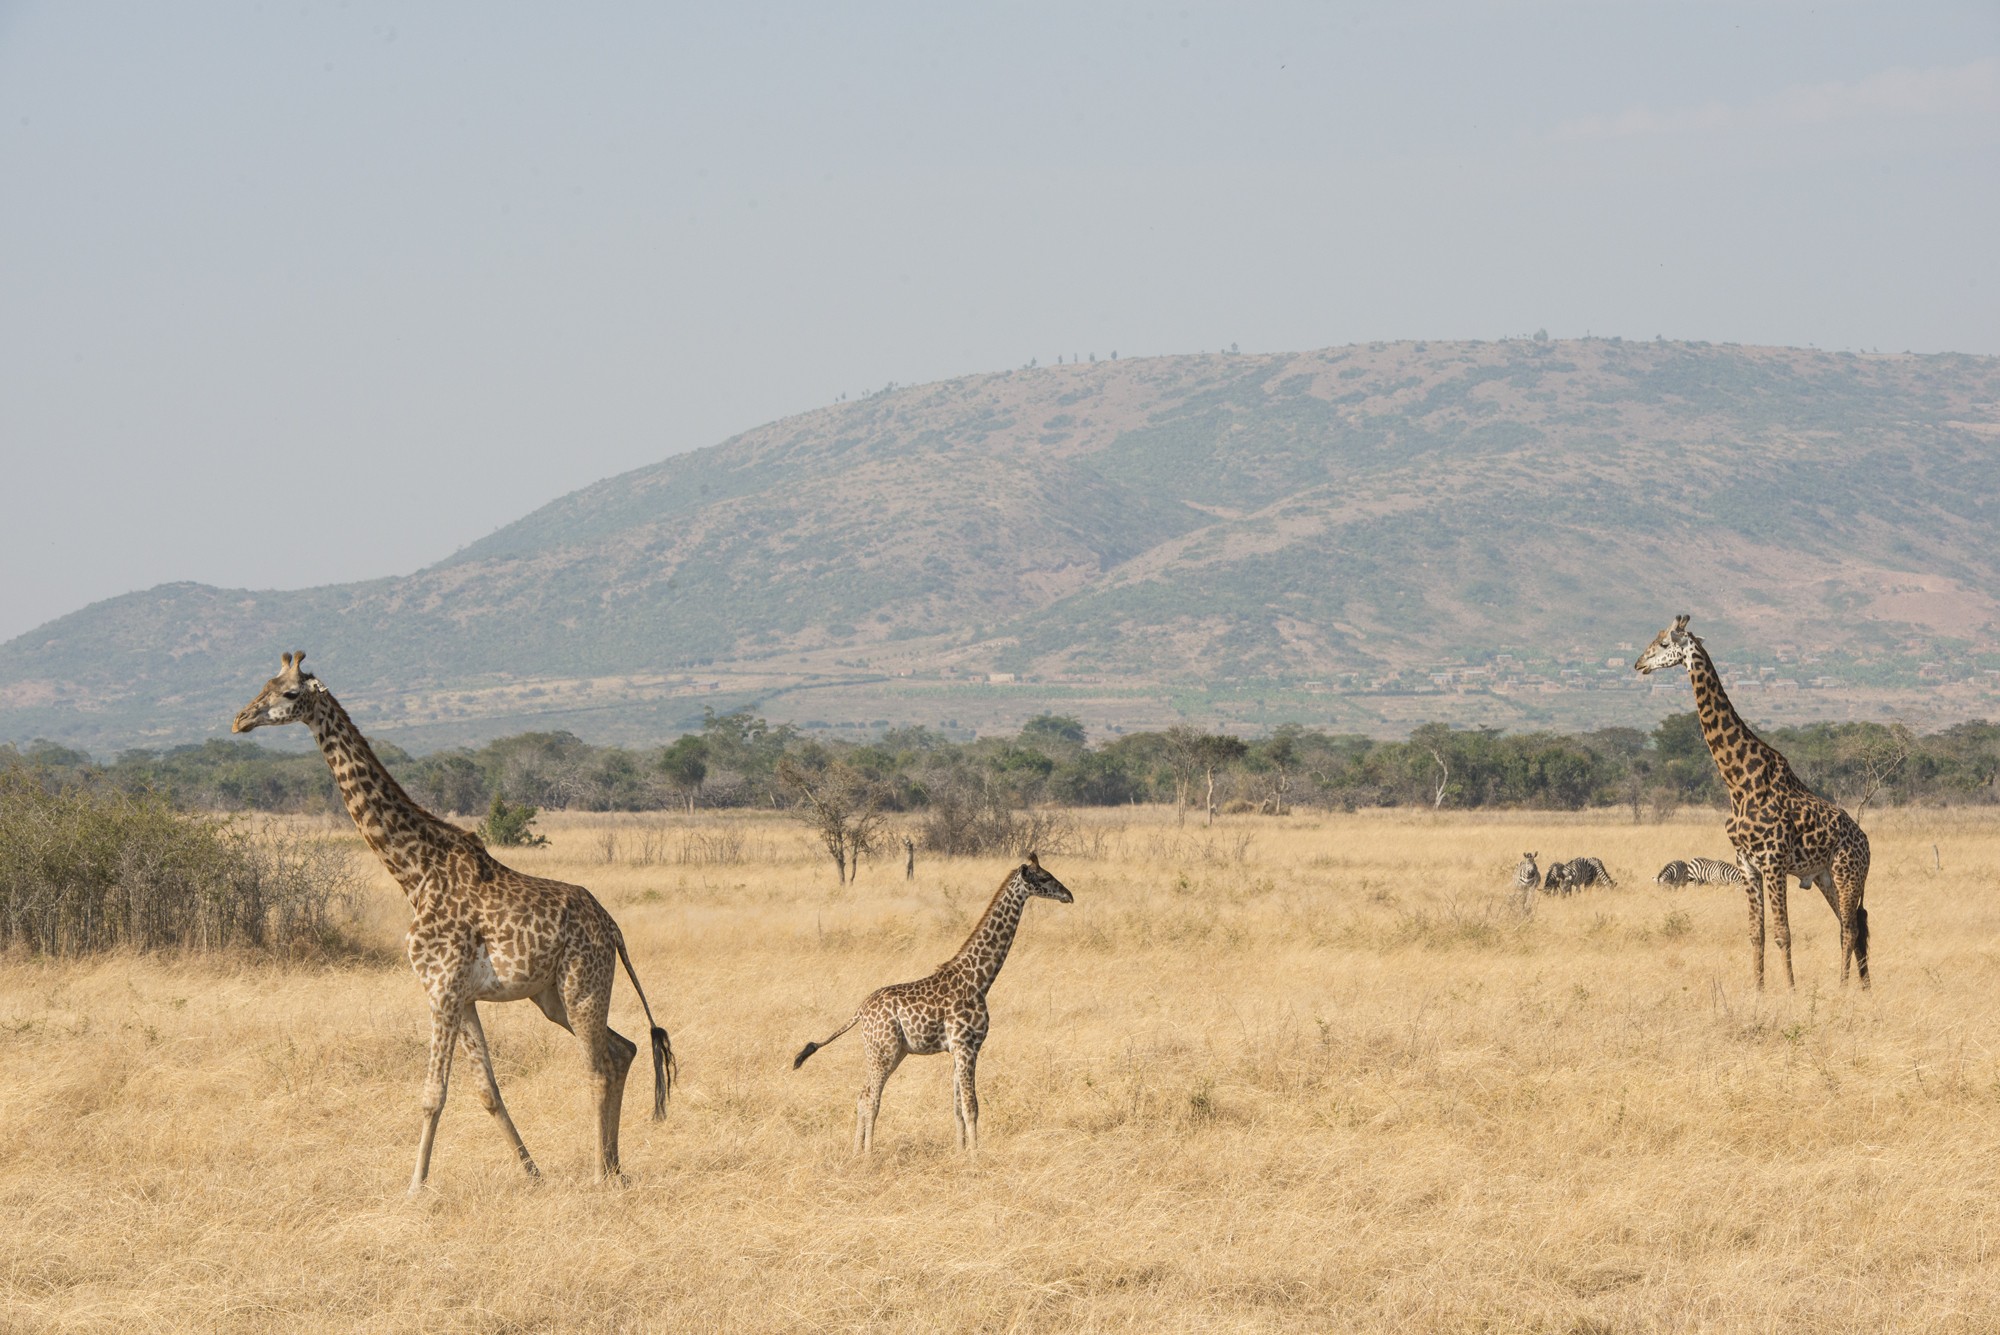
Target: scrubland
pixel 1305 1073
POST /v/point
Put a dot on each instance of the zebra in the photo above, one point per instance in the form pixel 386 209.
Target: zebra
pixel 1568 877
pixel 1589 871
pixel 1699 871
pixel 1527 876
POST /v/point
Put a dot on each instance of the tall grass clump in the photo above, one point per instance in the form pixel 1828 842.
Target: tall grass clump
pixel 84 870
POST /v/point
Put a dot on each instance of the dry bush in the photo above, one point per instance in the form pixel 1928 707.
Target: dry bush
pixel 973 816
pixel 84 871
pixel 711 848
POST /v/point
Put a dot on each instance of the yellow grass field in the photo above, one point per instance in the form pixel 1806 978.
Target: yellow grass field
pixel 1308 1073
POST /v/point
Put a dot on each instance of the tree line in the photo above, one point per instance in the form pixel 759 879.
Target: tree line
pixel 959 789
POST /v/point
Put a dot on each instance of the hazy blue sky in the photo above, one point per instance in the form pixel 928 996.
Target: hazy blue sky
pixel 297 293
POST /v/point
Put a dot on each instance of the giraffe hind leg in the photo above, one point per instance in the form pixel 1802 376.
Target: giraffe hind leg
pixel 1850 883
pixel 472 1037
pixel 587 1000
pixel 883 1059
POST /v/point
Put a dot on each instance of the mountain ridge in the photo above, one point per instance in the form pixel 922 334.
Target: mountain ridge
pixel 1156 538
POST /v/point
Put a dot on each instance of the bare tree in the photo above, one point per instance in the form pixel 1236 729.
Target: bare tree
pixel 1182 753
pixel 1880 760
pixel 1444 780
pixel 842 805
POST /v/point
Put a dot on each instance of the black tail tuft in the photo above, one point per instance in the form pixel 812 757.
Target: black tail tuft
pixel 1861 941
pixel 664 1068
pixel 804 1052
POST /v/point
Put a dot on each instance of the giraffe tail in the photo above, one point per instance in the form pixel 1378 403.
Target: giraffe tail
pixel 810 1048
pixel 664 1066
pixel 1860 942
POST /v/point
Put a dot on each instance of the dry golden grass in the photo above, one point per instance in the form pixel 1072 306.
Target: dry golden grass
pixel 1310 1073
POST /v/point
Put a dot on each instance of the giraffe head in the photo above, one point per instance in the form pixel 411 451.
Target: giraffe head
pixel 284 697
pixel 1672 647
pixel 1039 882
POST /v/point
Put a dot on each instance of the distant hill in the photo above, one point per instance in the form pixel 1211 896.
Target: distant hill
pixel 1337 536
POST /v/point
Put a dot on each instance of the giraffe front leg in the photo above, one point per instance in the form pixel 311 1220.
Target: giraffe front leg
pixel 1781 919
pixel 965 1091
pixel 472 1036
pixel 444 1037
pixel 1753 890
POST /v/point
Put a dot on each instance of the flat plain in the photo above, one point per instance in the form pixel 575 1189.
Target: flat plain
pixel 1301 1073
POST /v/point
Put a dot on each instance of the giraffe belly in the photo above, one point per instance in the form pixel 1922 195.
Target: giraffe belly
pixel 922 1035
pixel 502 979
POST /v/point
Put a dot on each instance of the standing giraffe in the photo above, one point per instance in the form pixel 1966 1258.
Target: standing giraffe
pixel 944 1012
pixel 480 931
pixel 1778 826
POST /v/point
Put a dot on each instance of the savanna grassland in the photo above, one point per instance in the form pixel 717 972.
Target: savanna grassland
pixel 1308 1073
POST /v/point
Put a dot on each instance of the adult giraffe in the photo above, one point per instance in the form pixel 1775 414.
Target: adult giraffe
pixel 479 931
pixel 1779 826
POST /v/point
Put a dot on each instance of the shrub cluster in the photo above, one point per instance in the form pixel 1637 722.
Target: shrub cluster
pixel 973 793
pixel 85 869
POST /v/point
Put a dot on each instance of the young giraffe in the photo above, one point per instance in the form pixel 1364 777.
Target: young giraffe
pixel 944 1012
pixel 1778 826
pixel 480 931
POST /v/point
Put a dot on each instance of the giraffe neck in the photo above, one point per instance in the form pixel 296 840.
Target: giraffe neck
pixel 1747 763
pixel 986 949
pixel 409 840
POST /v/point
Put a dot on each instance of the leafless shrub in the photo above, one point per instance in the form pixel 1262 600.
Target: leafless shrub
pixel 971 815
pixel 711 847
pixel 841 804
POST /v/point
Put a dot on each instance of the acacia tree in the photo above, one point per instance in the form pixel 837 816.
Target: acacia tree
pixel 841 804
pixel 685 765
pixel 1275 760
pixel 1218 750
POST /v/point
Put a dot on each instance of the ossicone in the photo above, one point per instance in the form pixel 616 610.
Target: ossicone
pixel 1681 621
